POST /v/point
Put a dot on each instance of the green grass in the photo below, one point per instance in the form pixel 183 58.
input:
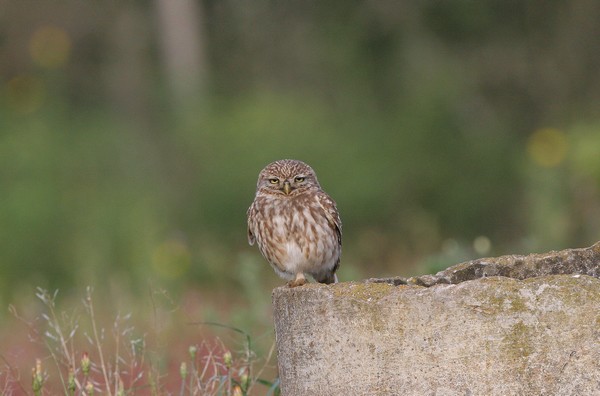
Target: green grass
pixel 77 351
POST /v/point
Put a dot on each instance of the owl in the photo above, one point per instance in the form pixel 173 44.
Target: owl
pixel 295 224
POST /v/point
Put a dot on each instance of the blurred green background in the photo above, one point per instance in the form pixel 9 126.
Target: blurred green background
pixel 132 134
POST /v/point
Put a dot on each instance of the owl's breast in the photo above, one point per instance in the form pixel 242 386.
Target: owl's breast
pixel 295 236
pixel 296 222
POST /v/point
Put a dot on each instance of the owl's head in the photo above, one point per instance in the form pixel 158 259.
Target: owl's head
pixel 287 177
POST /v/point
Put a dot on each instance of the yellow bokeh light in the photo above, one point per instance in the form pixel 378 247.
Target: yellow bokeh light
pixel 482 245
pixel 548 147
pixel 25 93
pixel 171 259
pixel 49 47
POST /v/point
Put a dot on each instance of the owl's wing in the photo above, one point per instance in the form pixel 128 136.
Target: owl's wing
pixel 331 213
pixel 250 216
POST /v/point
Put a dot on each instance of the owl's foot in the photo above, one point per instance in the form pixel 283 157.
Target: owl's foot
pixel 299 281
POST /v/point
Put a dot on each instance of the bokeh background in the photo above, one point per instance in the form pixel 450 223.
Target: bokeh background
pixel 132 134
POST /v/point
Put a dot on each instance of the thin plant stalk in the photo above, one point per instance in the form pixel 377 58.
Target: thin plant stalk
pixel 90 306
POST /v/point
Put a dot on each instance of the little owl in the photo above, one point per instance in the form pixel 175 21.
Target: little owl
pixel 295 223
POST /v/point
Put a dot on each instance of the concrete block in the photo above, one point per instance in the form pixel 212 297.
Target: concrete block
pixel 512 325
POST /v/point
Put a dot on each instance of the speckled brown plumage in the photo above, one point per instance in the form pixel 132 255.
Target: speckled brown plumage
pixel 295 224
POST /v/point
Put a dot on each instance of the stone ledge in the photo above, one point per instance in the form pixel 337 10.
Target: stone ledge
pixel 510 325
pixel 585 261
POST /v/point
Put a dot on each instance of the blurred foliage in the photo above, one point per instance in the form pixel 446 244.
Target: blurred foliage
pixel 444 130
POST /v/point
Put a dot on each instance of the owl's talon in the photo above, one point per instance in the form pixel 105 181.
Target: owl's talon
pixel 299 281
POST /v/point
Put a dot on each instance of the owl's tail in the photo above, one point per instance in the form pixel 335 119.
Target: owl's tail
pixel 326 277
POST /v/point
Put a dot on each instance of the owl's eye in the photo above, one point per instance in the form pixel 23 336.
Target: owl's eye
pixel 299 179
pixel 273 180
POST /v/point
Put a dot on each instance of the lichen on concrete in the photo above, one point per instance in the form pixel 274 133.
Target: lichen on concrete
pixel 362 291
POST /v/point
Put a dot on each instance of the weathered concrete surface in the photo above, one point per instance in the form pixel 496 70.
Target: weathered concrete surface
pixel 538 334
pixel 570 261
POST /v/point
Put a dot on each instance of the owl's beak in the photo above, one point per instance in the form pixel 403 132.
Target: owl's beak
pixel 287 188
